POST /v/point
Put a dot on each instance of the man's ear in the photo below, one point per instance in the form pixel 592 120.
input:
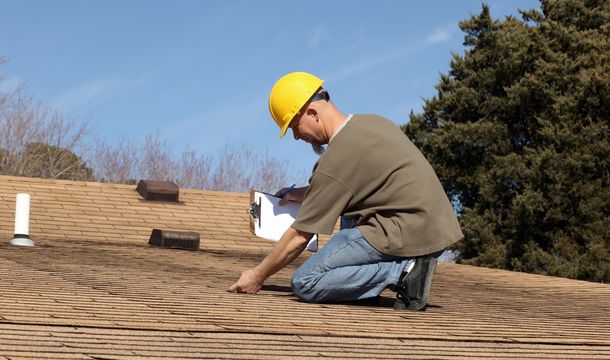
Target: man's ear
pixel 313 112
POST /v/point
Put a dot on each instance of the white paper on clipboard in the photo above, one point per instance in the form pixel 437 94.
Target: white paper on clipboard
pixel 269 220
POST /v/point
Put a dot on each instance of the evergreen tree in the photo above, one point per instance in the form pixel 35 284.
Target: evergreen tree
pixel 53 162
pixel 44 161
pixel 519 136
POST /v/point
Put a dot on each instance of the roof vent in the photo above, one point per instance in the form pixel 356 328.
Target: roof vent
pixel 158 190
pixel 187 240
pixel 22 221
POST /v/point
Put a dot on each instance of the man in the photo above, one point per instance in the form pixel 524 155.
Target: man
pixel 395 217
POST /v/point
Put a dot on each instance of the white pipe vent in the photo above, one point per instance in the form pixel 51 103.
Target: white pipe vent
pixel 22 221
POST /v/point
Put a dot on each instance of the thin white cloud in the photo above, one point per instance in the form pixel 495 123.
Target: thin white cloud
pixel 96 91
pixel 441 34
pixel 316 36
pixel 216 125
pixel 368 62
pixel 84 94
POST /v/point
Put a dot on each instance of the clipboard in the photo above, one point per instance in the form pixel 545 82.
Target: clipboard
pixel 269 220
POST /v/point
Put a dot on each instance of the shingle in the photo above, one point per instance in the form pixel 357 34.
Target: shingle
pixel 94 288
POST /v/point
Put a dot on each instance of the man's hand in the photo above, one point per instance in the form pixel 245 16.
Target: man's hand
pixel 296 195
pixel 250 282
pixel 292 243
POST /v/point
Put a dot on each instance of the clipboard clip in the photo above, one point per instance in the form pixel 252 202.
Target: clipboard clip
pixel 255 212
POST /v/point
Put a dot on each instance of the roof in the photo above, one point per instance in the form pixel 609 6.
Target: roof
pixel 93 288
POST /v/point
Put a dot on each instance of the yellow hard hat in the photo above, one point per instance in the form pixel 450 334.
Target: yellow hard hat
pixel 288 96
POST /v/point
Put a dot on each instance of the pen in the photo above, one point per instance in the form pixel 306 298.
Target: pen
pixel 285 192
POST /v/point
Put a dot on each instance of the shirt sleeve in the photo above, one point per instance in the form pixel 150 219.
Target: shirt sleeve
pixel 325 200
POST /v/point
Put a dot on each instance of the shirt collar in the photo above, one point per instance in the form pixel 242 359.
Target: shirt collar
pixel 347 119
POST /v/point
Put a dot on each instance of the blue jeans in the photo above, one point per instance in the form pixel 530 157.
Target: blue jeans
pixel 347 268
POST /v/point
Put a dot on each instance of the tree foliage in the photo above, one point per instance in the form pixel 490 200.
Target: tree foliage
pixel 36 141
pixel 519 136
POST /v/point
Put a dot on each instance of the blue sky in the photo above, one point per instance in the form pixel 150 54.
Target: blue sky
pixel 199 72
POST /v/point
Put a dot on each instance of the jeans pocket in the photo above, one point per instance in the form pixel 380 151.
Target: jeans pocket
pixel 373 254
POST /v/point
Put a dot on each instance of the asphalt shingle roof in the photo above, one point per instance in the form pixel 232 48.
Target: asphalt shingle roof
pixel 94 289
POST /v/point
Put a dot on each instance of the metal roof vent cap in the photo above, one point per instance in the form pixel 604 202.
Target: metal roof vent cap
pixel 22 221
pixel 158 190
pixel 187 240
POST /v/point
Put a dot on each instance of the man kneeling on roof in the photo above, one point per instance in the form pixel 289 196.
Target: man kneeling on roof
pixel 395 217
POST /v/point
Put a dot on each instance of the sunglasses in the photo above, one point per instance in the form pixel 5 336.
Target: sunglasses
pixel 322 95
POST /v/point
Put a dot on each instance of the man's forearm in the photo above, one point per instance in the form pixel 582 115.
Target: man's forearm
pixel 287 249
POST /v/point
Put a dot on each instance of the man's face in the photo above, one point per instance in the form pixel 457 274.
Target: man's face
pixel 304 127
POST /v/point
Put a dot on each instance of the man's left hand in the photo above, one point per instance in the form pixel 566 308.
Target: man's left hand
pixel 249 282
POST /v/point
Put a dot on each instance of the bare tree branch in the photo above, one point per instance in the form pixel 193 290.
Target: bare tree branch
pixel 38 141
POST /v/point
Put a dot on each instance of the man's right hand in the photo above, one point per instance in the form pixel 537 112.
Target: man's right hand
pixel 296 195
pixel 250 282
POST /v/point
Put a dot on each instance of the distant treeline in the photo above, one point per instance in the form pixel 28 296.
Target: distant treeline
pixel 38 141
